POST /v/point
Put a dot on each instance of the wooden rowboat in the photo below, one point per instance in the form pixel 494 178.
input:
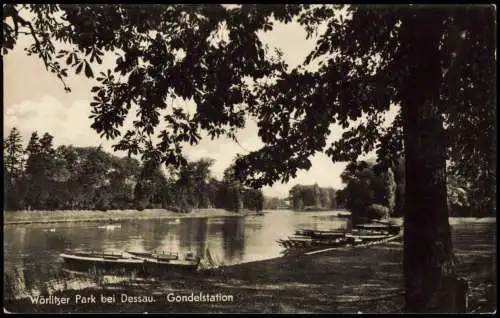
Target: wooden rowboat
pixel 367 237
pixel 166 261
pixel 344 241
pixel 319 233
pixel 93 257
pixel 102 262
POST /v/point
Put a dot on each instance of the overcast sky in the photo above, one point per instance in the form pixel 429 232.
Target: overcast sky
pixel 34 99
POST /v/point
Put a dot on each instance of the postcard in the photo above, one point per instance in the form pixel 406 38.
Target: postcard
pixel 245 158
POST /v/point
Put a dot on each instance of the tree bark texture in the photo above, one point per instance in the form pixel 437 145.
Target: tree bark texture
pixel 429 267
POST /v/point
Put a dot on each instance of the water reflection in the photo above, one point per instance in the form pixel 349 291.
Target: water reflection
pixel 233 238
pixel 32 263
pixel 193 235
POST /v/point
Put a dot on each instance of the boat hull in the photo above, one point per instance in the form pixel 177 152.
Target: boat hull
pixel 155 266
pixel 137 264
pixel 95 264
pixel 348 240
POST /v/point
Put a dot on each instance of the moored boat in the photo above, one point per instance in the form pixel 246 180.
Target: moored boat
pixel 100 261
pixel 364 234
pixel 99 257
pixel 379 227
pixel 306 241
pixel 366 238
pixel 319 233
pixel 166 261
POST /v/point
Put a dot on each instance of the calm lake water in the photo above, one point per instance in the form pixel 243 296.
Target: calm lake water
pixel 33 266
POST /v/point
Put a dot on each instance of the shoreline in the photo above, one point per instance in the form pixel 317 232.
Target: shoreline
pixel 85 216
pixel 43 217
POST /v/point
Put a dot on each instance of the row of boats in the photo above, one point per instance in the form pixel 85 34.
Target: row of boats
pixel 131 261
pixel 359 235
pixel 167 262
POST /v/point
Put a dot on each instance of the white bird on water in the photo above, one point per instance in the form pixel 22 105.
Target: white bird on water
pixel 176 221
pixel 110 226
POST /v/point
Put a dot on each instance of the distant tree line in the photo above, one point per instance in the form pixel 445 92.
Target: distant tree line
pixel 374 191
pixel 275 203
pixel 41 177
pixel 312 197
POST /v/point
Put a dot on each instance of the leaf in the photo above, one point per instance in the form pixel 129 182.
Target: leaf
pixel 88 70
pixel 79 68
pixel 69 60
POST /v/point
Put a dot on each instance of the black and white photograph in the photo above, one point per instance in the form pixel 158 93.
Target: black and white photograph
pixel 249 158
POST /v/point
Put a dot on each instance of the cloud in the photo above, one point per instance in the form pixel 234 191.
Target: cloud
pixel 68 124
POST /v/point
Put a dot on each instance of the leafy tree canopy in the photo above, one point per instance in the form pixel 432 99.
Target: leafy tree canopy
pixel 164 52
pixel 178 51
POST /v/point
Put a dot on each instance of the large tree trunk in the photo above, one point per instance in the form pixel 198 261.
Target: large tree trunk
pixel 428 253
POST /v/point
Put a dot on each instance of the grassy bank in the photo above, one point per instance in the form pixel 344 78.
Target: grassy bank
pixel 32 217
pixel 62 216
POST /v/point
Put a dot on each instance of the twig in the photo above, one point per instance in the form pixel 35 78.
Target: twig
pixel 25 23
pixel 236 140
